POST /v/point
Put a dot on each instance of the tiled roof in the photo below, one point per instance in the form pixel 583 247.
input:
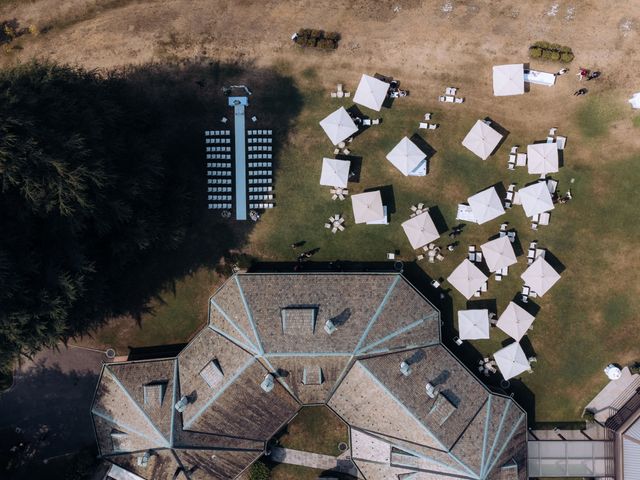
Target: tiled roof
pixel 262 324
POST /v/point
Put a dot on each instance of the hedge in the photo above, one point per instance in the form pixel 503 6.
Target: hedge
pixel 308 37
pixel 551 51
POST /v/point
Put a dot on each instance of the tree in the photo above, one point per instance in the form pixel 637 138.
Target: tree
pixel 259 471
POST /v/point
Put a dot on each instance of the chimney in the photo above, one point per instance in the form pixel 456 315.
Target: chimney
pixel 181 405
pixel 268 383
pixel 405 369
pixel 431 390
pixel 329 327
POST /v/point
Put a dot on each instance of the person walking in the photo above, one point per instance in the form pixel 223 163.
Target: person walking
pixel 561 72
pixel 582 91
pixel 593 75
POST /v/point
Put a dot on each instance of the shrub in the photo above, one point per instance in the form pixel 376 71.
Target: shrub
pixel 317 38
pixel 316 34
pixel 555 55
pixel 535 52
pixel 332 36
pixel 34 30
pixel 566 57
pixel 259 471
pixel 634 367
pixel 546 54
pixel 311 42
pixel 589 415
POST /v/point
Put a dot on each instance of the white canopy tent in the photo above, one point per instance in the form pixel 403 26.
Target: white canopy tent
pixel 338 126
pixel 635 100
pixel 540 276
pixel 420 230
pixel 508 79
pixel 467 278
pixel 511 360
pixel 536 199
pixel 482 139
pixel 498 253
pixel 367 207
pixel 542 158
pixel 408 158
pixel 486 205
pixel 335 173
pixel 515 321
pixel 473 324
pixel 371 92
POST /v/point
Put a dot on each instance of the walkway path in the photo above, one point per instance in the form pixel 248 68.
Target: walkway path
pixel 312 460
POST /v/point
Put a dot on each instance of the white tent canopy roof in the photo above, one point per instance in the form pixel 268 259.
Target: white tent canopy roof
pixel 536 199
pixel 486 205
pixel 473 324
pixel 406 156
pixel 335 173
pixel 467 278
pixel 508 79
pixel 371 92
pixel 511 361
pixel 367 207
pixel 540 276
pixel 635 100
pixel 420 230
pixel 338 126
pixel 482 139
pixel 498 253
pixel 542 158
pixel 515 321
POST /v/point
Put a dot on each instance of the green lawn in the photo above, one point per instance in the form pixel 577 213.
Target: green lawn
pixel 283 471
pixel 315 429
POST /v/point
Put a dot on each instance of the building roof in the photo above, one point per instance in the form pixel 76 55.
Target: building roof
pixel 274 324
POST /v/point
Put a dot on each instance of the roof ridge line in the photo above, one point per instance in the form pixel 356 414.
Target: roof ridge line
pixel 235 341
pixel 232 322
pixel 394 334
pixel 146 416
pixel 495 440
pixel 217 395
pixel 249 315
pixel 377 313
pixel 506 442
pixel 453 445
pixel 112 420
pixel 287 387
pixel 176 380
pixel 485 435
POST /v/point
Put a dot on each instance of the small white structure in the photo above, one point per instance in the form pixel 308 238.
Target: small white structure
pixel 511 361
pixel 335 173
pixel 542 158
pixel 367 207
pixel 473 324
pixel 498 253
pixel 515 321
pixel 540 78
pixel 635 100
pixel 536 199
pixel 467 278
pixel 338 126
pixel 508 79
pixel 482 139
pixel 371 92
pixel 408 158
pixel 540 276
pixel 420 230
pixel 612 372
pixel 486 205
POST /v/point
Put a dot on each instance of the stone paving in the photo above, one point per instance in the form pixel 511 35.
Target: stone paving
pixel 313 460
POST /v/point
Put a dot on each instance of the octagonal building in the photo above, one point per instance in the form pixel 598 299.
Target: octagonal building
pixel 365 345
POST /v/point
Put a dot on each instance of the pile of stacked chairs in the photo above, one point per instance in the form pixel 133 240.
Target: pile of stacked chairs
pixel 219 170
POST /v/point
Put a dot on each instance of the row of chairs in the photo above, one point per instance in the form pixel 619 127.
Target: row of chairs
pixel 218 173
pixel 259 181
pixel 263 206
pixel 216 133
pixel 259 140
pixel 218 140
pixel 260 189
pixel 219 206
pixel 259 156
pixel 218 165
pixel 218 156
pixel 259 164
pixel 260 132
pixel 218 181
pixel 260 173
pixel 259 148
pixel 218 149
pixel 261 197
pixel 219 197
pixel 219 190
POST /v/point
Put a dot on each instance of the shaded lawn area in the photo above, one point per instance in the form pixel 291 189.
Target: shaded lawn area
pixel 283 471
pixel 317 430
pixel 581 325
pixel 173 317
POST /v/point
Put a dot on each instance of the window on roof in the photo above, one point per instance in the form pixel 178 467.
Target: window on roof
pixel 312 376
pixel 212 373
pixel 442 409
pixel 153 393
pixel 119 441
pixel 298 320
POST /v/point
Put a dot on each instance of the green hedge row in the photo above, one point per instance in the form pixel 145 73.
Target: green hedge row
pixel 551 51
pixel 308 37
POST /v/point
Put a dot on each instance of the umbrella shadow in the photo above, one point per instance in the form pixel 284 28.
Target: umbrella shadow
pixel 552 260
pixel 489 304
pixel 438 219
pixel 355 168
pixel 388 197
